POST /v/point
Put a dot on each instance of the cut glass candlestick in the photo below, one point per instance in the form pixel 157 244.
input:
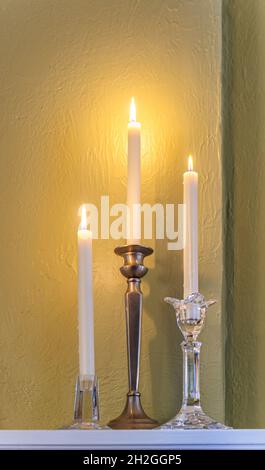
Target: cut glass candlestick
pixel 191 315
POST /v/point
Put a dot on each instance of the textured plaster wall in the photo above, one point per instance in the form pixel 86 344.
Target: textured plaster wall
pixel 244 150
pixel 67 71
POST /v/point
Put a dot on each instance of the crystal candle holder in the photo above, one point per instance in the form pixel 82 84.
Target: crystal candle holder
pixel 191 315
pixel 86 406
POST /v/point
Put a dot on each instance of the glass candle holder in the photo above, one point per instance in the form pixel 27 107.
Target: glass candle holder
pixel 86 406
pixel 191 316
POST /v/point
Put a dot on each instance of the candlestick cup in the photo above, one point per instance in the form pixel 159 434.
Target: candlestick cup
pixel 191 315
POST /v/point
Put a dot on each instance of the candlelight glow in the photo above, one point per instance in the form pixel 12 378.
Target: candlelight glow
pixel 83 225
pixel 133 110
pixel 190 163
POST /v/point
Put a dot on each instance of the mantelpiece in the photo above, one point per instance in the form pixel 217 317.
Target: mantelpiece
pixel 202 439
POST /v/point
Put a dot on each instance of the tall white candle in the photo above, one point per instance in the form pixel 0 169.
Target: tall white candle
pixel 85 299
pixel 134 176
pixel 190 230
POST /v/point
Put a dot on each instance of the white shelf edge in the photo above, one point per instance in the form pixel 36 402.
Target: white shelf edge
pixel 155 439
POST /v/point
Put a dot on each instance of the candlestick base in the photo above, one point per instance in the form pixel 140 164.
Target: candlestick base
pixel 86 407
pixel 133 415
pixel 191 316
pixel 192 417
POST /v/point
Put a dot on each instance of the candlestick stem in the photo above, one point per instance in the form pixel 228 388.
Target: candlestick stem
pixel 191 373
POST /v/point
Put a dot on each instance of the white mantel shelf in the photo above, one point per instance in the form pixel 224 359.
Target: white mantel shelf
pixel 155 439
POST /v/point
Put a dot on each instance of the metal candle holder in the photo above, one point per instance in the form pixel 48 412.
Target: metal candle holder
pixel 133 415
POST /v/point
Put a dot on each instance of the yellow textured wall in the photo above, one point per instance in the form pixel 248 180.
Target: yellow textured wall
pixel 244 56
pixel 68 69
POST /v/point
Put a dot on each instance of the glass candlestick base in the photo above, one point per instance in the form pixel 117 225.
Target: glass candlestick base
pixel 191 315
pixel 192 417
pixel 86 407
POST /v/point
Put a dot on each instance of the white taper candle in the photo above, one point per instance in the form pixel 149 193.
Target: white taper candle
pixel 134 176
pixel 85 299
pixel 190 230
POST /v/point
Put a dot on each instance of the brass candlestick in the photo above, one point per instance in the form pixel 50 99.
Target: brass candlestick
pixel 133 415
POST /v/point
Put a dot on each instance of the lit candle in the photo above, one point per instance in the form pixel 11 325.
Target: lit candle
pixel 85 299
pixel 190 230
pixel 134 176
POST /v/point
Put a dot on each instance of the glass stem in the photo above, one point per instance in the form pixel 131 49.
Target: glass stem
pixel 191 373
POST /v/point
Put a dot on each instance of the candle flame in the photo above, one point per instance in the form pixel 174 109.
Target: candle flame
pixel 83 225
pixel 133 110
pixel 190 163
